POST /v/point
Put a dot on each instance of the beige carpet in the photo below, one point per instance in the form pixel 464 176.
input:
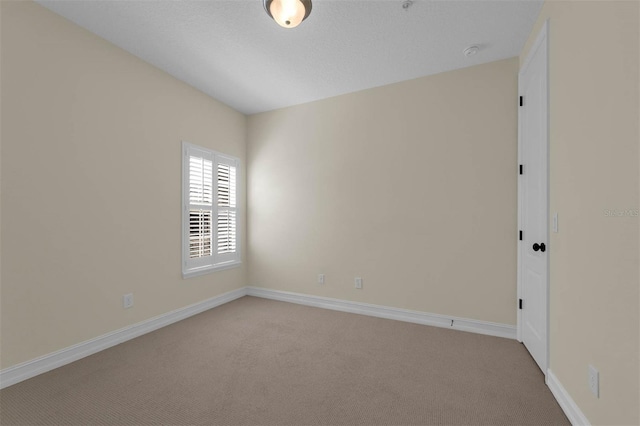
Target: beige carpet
pixel 261 362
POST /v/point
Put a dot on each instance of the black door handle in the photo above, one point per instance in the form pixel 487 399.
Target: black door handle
pixel 540 247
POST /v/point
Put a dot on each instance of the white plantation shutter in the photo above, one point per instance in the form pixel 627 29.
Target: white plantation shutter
pixel 226 230
pixel 200 233
pixel 210 231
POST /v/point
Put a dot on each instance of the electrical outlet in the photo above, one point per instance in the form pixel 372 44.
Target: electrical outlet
pixel 594 381
pixel 358 282
pixel 127 300
pixel 320 278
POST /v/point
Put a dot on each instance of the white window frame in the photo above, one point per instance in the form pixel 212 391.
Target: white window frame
pixel 215 262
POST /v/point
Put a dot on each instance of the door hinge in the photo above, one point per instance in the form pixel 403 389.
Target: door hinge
pixel 520 303
pixel 520 235
pixel 521 168
pixel 521 100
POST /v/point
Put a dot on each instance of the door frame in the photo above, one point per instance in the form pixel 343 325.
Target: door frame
pixel 542 38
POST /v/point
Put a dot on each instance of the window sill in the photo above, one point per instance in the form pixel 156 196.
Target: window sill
pixel 209 269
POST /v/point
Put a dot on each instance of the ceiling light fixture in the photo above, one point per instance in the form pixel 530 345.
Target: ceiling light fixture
pixel 288 13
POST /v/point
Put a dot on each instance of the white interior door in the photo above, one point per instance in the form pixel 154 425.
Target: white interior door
pixel 533 250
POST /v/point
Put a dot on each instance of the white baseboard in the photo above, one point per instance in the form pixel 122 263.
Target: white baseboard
pixel 26 370
pixel 464 324
pixel 568 405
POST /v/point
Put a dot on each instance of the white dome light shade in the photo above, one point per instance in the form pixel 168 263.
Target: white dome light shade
pixel 288 13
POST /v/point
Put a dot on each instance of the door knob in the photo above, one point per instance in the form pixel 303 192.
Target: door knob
pixel 540 247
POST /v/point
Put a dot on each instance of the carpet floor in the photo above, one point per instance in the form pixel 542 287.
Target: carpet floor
pixel 262 362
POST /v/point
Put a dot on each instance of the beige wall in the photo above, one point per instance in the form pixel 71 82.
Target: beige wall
pixel 91 175
pixel 0 187
pixel 593 60
pixel 411 186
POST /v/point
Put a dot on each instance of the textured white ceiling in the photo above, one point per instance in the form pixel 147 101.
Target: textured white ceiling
pixel 232 51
